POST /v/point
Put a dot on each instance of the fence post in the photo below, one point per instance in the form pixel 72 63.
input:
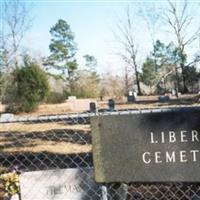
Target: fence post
pixel 117 191
pixel 104 193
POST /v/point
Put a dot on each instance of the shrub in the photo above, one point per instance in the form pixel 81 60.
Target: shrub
pixel 56 97
pixel 29 87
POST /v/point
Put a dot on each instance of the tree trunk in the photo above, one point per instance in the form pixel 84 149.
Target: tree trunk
pixel 177 86
pixel 126 80
pixel 185 89
pixel 137 75
pixel 138 83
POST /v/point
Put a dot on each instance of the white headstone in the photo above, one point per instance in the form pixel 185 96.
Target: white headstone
pixel 62 184
pixel 71 98
pixel 130 93
pixel 6 116
pixel 135 94
pixel 80 104
pixel 15 197
pixel 173 92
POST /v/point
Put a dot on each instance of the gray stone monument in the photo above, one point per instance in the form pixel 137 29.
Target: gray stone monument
pixel 62 184
pixel 164 98
pixel 111 105
pixel 92 107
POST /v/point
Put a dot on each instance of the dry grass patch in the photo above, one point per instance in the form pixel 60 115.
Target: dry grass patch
pixel 55 137
pixel 154 105
pixel 39 127
pixel 50 147
pixel 61 138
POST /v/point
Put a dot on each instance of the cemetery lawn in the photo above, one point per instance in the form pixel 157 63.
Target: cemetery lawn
pixel 56 137
pixel 142 102
pixel 62 138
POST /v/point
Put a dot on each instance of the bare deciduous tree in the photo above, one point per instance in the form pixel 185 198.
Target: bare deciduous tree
pixel 126 38
pixel 127 80
pixel 151 16
pixel 181 23
pixel 15 22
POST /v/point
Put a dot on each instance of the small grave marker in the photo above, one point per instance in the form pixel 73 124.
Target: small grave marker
pixel 72 98
pixel 111 104
pixel 92 107
pixel 80 104
pixel 164 98
pixel 130 97
pixel 6 116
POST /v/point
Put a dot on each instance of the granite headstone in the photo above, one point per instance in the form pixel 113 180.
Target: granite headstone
pixel 111 104
pixel 92 107
pixel 61 184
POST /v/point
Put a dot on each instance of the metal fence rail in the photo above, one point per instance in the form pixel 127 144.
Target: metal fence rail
pixel 63 142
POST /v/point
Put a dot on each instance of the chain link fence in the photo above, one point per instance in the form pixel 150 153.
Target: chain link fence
pixel 30 144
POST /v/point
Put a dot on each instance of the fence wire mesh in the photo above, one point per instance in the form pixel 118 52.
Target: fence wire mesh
pixel 64 142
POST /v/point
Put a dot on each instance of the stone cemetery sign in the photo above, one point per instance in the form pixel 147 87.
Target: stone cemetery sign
pixel 147 147
pixel 62 184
